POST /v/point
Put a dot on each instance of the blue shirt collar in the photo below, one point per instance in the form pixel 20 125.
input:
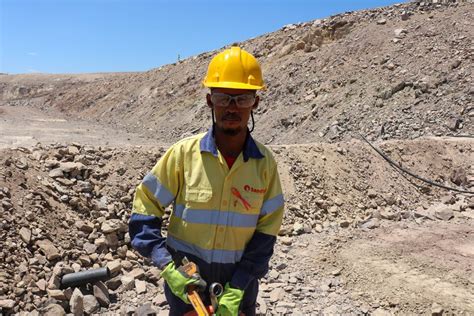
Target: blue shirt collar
pixel 251 150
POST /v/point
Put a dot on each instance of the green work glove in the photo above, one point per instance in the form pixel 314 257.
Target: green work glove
pixel 229 301
pixel 178 281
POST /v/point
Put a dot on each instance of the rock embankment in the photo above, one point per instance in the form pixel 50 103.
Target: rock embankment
pixel 65 209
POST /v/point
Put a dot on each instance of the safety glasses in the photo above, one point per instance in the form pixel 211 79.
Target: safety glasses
pixel 241 100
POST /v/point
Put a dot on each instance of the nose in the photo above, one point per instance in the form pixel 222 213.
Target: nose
pixel 232 107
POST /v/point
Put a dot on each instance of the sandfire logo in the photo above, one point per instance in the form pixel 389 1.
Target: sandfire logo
pixel 248 188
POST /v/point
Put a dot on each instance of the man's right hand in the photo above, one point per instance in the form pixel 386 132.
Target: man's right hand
pixel 178 281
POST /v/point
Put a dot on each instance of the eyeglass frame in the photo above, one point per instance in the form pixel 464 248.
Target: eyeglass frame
pixel 233 97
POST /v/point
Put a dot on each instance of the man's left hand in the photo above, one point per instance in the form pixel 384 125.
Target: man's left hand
pixel 229 302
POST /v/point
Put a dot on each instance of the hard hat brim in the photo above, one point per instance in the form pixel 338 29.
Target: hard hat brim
pixel 232 85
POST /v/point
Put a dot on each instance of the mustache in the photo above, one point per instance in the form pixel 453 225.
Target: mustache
pixel 231 116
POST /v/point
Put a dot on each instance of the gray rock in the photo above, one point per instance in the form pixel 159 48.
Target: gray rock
pixel 68 293
pixel 7 304
pixel 400 33
pixel 91 305
pixel 381 312
pixel 281 310
pixel 84 186
pixel 25 234
pixel 276 295
pixel 73 150
pixel 420 212
pixel 140 286
pixel 60 268
pixel 89 248
pixel 76 303
pixel 47 247
pixel 111 240
pixel 336 272
pixel 298 228
pixel 56 173
pixel 100 242
pixel 145 310
pixel 444 214
pixel 101 293
pixel 53 310
pixel 128 283
pixel 54 282
pixel 22 163
pixel 128 310
pixel 436 310
pixel 388 214
pixel 344 223
pixel 262 306
pixel 57 295
pixel 441 211
pixel 114 266
pixel 74 168
pixel 85 260
pixel 285 240
pixel 371 224
pixel 137 273
pixel 114 283
pixel 111 225
pixel 371 193
pixel 274 274
pixel 281 266
pixel 86 227
pixel 51 163
pixel 333 210
pixel 41 284
pixel 459 176
pixel 286 304
pixel 160 300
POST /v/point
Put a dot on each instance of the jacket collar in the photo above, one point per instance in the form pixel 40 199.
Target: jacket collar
pixel 251 150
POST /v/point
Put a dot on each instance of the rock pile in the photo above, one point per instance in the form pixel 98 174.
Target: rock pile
pixel 65 208
pixel 69 213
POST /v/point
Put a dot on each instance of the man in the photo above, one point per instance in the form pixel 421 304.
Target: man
pixel 226 195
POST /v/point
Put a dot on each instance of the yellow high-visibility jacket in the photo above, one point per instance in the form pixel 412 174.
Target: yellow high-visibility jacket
pixel 216 211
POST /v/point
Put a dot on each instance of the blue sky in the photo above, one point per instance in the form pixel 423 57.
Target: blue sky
pixel 77 36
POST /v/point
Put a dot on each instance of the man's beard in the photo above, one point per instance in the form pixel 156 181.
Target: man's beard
pixel 229 131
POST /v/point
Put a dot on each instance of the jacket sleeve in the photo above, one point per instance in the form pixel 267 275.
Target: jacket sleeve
pixel 157 190
pixel 257 254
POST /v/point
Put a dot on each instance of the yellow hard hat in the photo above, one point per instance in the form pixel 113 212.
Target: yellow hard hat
pixel 234 68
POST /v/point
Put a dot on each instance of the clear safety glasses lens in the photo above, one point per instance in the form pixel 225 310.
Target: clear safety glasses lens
pixel 241 100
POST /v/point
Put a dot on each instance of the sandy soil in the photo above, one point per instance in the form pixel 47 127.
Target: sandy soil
pixel 26 126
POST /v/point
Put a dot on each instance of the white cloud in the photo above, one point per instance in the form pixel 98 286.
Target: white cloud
pixel 33 71
pixel 33 53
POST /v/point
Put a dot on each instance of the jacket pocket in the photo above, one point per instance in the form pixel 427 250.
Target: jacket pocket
pixel 195 195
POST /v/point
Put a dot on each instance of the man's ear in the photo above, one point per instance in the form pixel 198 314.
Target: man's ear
pixel 255 105
pixel 209 102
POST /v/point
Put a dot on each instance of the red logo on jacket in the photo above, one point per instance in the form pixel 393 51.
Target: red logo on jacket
pixel 248 188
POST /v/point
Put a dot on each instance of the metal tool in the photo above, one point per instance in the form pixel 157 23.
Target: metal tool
pixel 190 269
pixel 215 290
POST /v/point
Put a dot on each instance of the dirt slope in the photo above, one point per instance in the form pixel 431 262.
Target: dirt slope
pixel 396 72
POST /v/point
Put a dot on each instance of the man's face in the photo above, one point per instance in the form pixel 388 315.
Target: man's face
pixel 232 119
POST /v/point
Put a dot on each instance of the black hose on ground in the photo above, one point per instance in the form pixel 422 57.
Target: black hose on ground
pixel 397 166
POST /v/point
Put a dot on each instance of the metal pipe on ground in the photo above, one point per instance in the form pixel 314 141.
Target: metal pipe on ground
pixel 84 277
